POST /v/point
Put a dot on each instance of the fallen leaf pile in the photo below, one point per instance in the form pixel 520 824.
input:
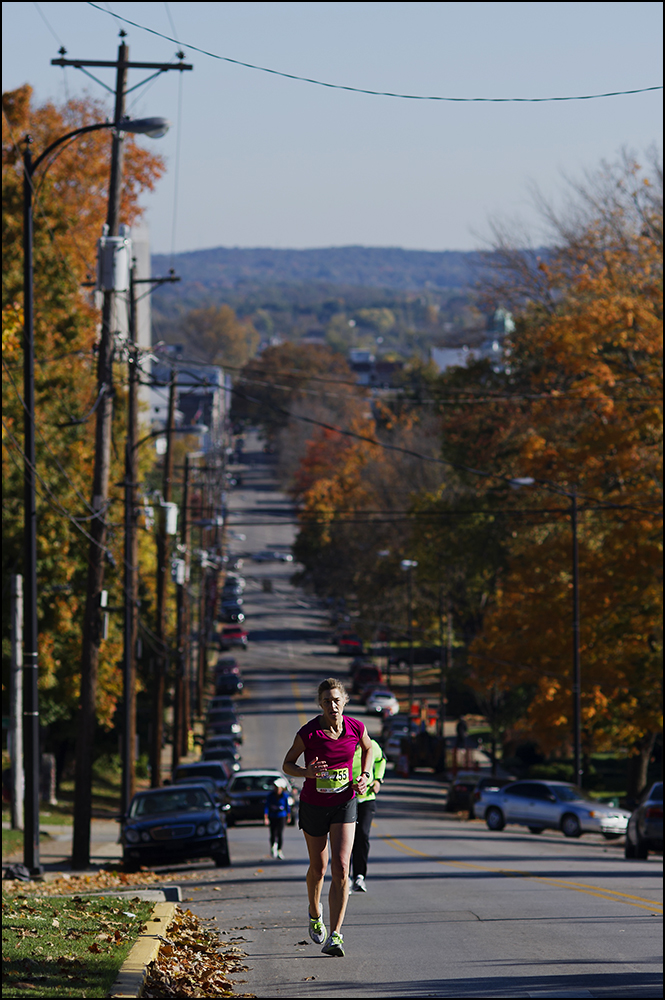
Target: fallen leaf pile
pixel 193 963
pixel 97 881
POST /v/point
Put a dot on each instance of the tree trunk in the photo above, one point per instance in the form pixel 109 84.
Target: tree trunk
pixel 638 764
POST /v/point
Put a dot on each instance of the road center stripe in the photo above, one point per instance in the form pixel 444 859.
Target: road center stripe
pixel 590 890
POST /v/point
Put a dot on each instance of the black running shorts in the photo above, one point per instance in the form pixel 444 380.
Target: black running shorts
pixel 317 820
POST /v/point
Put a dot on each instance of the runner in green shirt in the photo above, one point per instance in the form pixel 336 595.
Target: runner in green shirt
pixel 366 811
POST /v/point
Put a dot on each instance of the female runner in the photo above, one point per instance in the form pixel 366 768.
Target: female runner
pixel 328 804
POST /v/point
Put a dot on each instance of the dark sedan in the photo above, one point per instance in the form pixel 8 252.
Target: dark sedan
pixel 174 824
pixel 246 794
pixel 645 826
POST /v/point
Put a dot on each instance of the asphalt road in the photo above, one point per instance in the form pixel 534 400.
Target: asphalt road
pixel 452 910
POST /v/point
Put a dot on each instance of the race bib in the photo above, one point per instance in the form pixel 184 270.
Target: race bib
pixel 334 781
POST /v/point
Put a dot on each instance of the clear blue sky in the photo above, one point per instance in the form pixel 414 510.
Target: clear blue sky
pixel 266 161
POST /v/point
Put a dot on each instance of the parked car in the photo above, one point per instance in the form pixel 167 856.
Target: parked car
pixel 228 684
pixel 231 612
pixel 218 717
pixel 221 701
pixel 208 783
pixel 364 676
pixel 172 824
pixel 349 645
pixel 246 794
pixel 218 770
pixel 233 637
pixel 382 701
pixel 225 727
pixel 550 805
pixel 461 791
pixel 486 782
pixel 225 752
pixel 402 728
pixel 266 555
pixel 645 826
pixel 283 556
pixel 227 665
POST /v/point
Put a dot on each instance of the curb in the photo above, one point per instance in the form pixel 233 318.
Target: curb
pixel 130 981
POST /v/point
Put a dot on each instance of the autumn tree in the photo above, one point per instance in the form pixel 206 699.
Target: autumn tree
pixel 584 415
pixel 215 336
pixel 281 376
pixel 69 212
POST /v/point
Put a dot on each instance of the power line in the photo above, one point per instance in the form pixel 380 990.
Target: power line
pixel 375 93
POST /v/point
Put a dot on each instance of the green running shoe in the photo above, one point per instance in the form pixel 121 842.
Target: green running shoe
pixel 317 929
pixel 334 945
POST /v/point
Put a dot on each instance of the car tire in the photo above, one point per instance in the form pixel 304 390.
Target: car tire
pixel 629 849
pixel 570 826
pixel 536 829
pixel 641 850
pixel 222 858
pixel 494 818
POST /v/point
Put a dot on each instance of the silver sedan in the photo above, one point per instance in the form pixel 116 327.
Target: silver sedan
pixel 550 805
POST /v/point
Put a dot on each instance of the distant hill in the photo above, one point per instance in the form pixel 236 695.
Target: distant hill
pixel 368 267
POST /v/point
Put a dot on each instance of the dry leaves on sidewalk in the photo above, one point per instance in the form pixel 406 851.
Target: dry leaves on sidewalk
pixel 191 964
pixel 98 881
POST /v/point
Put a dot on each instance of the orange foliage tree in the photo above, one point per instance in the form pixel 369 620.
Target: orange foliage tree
pixel 69 212
pixel 586 373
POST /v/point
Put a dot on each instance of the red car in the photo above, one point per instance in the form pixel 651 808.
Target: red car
pixel 233 636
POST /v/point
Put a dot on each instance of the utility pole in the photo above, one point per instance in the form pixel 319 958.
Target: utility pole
pixel 180 713
pixel 92 637
pixel 131 561
pixel 162 660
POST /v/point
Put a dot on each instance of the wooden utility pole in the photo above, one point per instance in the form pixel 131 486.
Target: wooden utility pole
pixel 162 659
pixel 180 713
pixel 131 556
pixel 91 633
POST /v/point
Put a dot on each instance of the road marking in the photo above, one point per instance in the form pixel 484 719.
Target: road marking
pixel 590 890
pixel 300 707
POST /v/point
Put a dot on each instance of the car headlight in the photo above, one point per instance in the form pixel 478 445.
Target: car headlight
pixel 214 826
pixel 132 836
pixel 145 835
pixel 200 830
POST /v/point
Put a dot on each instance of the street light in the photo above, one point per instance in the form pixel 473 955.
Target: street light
pixel 517 484
pixel 146 126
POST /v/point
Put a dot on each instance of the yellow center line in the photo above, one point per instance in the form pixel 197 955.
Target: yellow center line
pixel 300 707
pixel 590 890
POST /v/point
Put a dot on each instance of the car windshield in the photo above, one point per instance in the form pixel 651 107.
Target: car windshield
pixel 201 770
pixel 169 801
pixel 570 793
pixel 254 783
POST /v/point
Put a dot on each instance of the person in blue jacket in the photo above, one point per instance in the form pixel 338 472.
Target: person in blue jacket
pixel 276 814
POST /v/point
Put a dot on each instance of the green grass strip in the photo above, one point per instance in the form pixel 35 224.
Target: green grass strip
pixel 57 946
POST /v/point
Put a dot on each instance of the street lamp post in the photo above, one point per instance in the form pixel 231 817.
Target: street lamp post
pixel 147 126
pixel 577 673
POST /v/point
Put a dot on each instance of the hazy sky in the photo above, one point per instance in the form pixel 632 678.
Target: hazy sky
pixel 266 161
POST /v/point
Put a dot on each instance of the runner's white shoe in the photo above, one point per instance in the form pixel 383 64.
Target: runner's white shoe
pixel 317 929
pixel 334 945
